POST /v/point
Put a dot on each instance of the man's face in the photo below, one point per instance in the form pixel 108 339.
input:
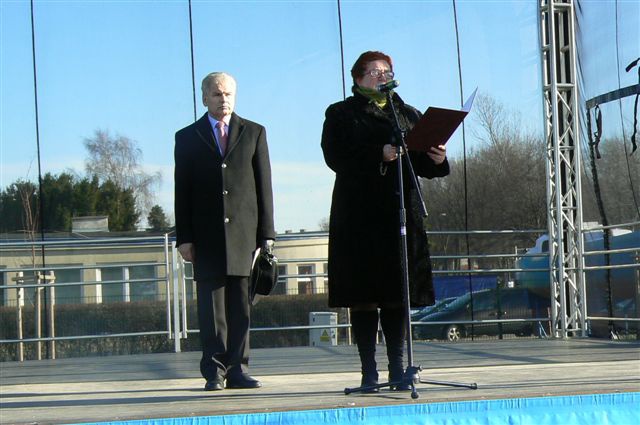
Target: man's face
pixel 221 98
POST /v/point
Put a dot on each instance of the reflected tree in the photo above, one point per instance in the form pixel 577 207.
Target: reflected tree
pixel 118 159
pixel 120 205
pixel 65 197
pixel 18 208
pixel 619 177
pixel 323 224
pixel 505 180
pixel 157 219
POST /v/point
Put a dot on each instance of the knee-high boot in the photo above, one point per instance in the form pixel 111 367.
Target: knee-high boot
pixel 394 328
pixel 364 325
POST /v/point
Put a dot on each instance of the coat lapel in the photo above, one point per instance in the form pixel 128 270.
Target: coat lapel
pixel 205 133
pixel 236 128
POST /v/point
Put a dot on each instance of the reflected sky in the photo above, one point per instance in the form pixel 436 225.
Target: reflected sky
pixel 126 67
pixel 605 52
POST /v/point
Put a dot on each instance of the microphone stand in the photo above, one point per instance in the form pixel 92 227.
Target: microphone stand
pixel 411 375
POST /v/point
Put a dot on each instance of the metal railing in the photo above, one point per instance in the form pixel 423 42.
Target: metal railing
pixel 172 275
pixel 41 279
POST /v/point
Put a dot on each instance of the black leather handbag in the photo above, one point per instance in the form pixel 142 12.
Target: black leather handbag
pixel 264 273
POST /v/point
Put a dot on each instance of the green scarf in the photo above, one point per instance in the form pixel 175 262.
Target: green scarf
pixel 376 97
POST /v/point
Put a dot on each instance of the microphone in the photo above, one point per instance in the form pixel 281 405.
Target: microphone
pixel 388 86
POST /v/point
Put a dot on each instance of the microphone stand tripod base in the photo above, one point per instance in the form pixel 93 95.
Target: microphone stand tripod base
pixel 410 378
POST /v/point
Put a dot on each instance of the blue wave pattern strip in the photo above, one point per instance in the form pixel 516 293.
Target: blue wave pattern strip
pixel 618 408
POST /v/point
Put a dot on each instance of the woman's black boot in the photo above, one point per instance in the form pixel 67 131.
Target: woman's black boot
pixel 364 325
pixel 394 328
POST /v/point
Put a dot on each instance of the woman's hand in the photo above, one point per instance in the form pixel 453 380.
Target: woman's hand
pixel 389 153
pixel 438 154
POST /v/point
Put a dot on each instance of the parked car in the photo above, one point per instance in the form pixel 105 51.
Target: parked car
pixel 438 306
pixel 490 304
pixel 624 308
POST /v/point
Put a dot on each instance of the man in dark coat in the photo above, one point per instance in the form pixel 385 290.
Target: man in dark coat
pixel 223 211
pixel 358 143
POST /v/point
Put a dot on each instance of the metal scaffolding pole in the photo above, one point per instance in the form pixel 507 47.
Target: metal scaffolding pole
pixel 564 203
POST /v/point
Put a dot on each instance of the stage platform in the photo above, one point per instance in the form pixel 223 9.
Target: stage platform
pixel 155 386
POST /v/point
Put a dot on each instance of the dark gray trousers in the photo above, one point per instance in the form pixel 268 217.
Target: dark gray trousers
pixel 224 317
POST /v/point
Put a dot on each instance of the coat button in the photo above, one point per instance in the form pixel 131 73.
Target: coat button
pixel 225 192
pixel 224 165
pixel 226 219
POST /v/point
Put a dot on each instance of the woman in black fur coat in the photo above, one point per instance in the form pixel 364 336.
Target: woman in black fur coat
pixel 364 237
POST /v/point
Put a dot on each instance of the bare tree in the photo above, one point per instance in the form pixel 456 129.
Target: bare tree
pixel 30 212
pixel 118 159
pixel 323 224
pixel 505 182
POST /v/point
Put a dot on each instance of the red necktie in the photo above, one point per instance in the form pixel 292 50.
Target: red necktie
pixel 222 137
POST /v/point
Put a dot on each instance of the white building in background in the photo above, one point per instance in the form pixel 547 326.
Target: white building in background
pixel 102 268
pixel 303 257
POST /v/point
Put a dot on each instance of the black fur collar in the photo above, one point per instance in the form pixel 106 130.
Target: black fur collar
pixel 405 113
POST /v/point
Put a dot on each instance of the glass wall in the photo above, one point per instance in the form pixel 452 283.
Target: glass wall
pixel 608 52
pixel 609 70
pixel 103 72
pixel 123 70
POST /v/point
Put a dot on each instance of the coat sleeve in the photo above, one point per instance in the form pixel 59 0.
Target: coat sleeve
pixel 264 192
pixel 425 167
pixel 183 186
pixel 344 151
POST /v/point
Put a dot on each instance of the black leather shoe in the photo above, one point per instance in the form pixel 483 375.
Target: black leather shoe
pixel 242 380
pixel 215 384
pixel 368 381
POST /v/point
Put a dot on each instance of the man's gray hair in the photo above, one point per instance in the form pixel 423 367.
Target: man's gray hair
pixel 214 77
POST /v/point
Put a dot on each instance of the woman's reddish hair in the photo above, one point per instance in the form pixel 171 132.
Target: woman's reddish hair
pixel 358 69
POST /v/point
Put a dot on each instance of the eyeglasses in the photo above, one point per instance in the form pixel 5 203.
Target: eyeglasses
pixel 376 73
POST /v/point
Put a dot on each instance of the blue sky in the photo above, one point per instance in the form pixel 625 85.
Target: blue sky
pixel 124 66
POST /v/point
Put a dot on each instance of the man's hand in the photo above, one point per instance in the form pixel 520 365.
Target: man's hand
pixel 438 154
pixel 267 246
pixel 188 251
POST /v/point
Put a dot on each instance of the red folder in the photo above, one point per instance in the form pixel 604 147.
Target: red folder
pixel 436 126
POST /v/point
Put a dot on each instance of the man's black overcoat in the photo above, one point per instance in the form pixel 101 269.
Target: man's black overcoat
pixel 224 206
pixel 364 241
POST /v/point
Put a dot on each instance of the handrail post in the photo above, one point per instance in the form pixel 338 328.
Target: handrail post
pixel 167 283
pixel 20 297
pixel 176 299
pixel 50 277
pixel 38 320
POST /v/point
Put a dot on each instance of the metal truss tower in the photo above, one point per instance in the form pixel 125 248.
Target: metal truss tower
pixel 564 203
